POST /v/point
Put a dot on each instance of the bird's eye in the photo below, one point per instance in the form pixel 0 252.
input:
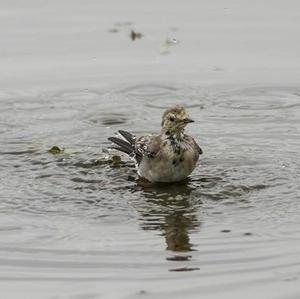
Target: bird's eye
pixel 172 118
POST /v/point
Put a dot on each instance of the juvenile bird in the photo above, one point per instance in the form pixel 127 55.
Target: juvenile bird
pixel 169 156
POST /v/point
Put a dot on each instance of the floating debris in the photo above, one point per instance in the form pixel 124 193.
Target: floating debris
pixel 115 162
pixel 184 269
pixel 61 150
pixel 225 231
pixel 135 35
pixel 116 159
pixel 56 150
pixel 168 43
pixel 179 258
pixel 248 234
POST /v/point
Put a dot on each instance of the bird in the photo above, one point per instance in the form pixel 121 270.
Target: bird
pixel 167 157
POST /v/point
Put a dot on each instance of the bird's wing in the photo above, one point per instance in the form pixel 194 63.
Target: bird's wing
pixel 195 145
pixel 199 149
pixel 148 145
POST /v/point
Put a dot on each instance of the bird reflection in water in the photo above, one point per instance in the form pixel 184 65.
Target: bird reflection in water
pixel 171 209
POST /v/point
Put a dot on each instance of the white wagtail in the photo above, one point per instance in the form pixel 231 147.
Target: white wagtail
pixel 169 156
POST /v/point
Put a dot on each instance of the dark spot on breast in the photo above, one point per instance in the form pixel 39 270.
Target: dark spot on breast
pixel 151 155
pixel 181 159
pixel 177 150
pixel 165 143
pixel 168 133
pixel 174 162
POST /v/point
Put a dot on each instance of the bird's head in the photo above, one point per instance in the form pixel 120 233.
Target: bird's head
pixel 175 119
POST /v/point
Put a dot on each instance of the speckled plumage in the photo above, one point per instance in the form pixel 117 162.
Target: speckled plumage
pixel 166 157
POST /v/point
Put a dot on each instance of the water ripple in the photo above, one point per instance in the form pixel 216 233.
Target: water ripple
pixel 85 216
pixel 263 98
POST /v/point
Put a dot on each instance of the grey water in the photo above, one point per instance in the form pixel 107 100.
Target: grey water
pixel 80 224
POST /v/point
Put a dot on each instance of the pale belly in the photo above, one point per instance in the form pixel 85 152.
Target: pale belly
pixel 168 168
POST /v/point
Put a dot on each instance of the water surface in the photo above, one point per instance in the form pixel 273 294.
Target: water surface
pixel 82 225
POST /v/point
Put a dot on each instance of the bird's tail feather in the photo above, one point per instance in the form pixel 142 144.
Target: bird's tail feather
pixel 122 145
pixel 127 136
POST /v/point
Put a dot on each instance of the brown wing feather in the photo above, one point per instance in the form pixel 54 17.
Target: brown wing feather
pixel 148 145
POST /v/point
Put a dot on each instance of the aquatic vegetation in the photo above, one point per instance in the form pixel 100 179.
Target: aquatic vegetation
pixel 56 150
pixel 61 150
pixel 167 44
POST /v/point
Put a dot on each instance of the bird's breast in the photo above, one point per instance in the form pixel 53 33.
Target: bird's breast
pixel 171 164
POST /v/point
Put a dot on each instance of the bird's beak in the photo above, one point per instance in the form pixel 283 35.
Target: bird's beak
pixel 188 120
